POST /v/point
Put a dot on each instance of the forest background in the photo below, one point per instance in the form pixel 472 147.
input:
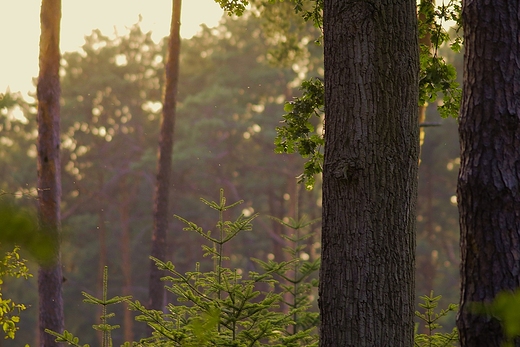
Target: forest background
pixel 233 85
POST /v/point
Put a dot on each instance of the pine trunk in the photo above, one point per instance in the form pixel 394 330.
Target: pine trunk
pixel 370 173
pixel 103 259
pixel 164 167
pixel 128 194
pixel 49 174
pixel 489 177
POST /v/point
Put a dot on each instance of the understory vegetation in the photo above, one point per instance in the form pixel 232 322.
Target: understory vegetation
pixel 215 305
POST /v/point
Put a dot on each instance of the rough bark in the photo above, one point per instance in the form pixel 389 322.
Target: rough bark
pixel 370 173
pixel 489 176
pixel 164 168
pixel 49 175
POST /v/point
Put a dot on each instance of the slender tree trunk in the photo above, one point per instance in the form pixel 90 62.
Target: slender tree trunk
pixel 128 193
pixel 370 173
pixel 276 209
pixel 430 266
pixel 426 41
pixel 489 177
pixel 50 275
pixel 103 259
pixel 164 168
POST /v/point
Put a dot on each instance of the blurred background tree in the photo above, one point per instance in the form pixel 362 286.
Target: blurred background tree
pixel 231 97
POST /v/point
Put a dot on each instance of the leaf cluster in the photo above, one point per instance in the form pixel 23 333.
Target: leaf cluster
pixel 314 14
pixel 299 134
pixel 11 265
pixel 233 7
pixel 437 77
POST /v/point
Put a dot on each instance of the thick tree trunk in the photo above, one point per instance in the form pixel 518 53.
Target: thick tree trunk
pixel 49 174
pixel 164 168
pixel 489 176
pixel 370 173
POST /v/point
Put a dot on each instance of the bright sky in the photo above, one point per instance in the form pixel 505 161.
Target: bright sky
pixel 20 28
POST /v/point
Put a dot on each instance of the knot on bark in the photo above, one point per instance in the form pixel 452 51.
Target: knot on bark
pixel 346 169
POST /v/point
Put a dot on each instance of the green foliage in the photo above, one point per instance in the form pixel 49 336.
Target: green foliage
pixel 228 108
pixel 11 265
pixel 430 318
pixel 299 135
pixel 20 227
pixel 237 7
pixel 292 40
pixel 233 7
pixel 298 282
pixel 314 14
pixel 221 307
pixel 104 327
pixel 437 76
pixel 7 100
pixel 66 337
pixel 505 307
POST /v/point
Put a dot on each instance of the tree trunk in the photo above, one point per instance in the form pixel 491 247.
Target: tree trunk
pixel 276 209
pixel 49 174
pixel 426 41
pixel 128 193
pixel 103 259
pixel 164 167
pixel 489 175
pixel 370 173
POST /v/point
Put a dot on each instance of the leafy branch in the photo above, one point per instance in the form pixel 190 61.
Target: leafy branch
pixel 11 265
pixel 298 134
pixel 436 76
pixel 437 79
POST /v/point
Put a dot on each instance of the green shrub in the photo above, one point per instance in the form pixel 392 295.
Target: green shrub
pixel 11 265
pixel 223 307
pixel 430 319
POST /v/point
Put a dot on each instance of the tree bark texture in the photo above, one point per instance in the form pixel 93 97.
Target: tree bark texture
pixel 164 167
pixel 370 173
pixel 49 174
pixel 489 177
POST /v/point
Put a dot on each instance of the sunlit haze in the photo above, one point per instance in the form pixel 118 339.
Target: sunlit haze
pixel 20 28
